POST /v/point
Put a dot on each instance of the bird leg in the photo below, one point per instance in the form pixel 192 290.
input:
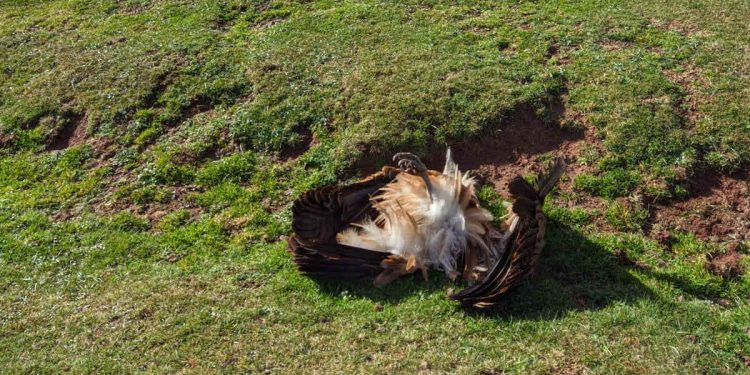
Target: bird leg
pixel 470 261
pixel 412 265
pixel 410 163
pixel 396 266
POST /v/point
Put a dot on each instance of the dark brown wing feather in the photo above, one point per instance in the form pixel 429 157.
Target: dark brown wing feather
pixel 524 245
pixel 335 261
pixel 319 214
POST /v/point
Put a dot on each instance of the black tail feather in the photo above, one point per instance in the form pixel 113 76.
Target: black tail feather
pixel 524 246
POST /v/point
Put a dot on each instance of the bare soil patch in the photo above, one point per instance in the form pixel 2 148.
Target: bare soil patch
pixel 72 133
pixel 615 45
pixel 307 140
pixel 689 78
pixel 728 265
pixel 717 210
pixel 515 149
pixel 678 26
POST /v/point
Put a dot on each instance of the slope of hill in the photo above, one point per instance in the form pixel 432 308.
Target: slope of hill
pixel 150 150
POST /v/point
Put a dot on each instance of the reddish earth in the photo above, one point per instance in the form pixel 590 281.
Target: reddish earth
pixel 728 265
pixel 306 141
pixel 717 210
pixel 71 134
pixel 516 149
pixel 691 79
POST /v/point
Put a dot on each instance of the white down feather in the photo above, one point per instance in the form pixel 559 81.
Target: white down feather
pixel 435 231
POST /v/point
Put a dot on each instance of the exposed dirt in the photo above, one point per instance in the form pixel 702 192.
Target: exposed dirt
pixel 615 45
pixel 72 133
pixel 717 210
pixel 572 368
pixel 7 139
pixel 104 149
pixel 513 150
pixel 728 264
pixel 553 50
pixel 689 78
pixel 492 372
pixel 681 27
pixel 307 140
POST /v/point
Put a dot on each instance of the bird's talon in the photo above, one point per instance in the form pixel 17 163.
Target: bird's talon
pixel 409 162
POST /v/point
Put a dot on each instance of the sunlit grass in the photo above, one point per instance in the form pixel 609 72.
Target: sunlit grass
pixel 158 244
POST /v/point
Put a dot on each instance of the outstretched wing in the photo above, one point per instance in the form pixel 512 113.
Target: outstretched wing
pixel 319 214
pixel 333 261
pixel 527 230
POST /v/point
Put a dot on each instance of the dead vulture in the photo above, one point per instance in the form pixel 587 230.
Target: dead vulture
pixel 401 220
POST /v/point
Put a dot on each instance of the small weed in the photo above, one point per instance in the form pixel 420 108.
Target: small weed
pixel 609 184
pixel 626 216
pixel 236 168
pixel 131 223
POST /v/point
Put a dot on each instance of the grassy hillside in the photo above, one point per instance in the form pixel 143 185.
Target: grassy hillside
pixel 150 151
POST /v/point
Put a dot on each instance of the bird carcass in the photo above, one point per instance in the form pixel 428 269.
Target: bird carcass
pixel 403 220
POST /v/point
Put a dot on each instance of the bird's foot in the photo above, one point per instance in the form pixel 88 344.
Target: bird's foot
pixel 411 164
pixel 394 267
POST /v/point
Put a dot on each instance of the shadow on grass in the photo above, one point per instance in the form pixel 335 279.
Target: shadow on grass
pixel 392 293
pixel 574 274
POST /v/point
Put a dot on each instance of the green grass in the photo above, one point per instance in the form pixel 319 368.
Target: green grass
pixel 158 245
